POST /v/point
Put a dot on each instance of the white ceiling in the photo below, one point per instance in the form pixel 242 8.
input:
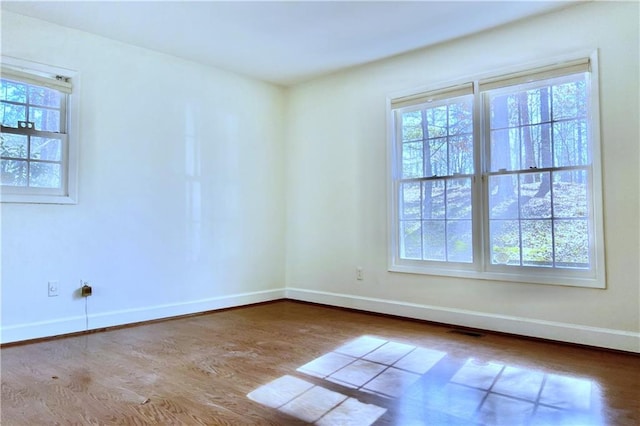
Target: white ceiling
pixel 283 42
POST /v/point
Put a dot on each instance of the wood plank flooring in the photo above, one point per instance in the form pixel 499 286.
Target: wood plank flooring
pixel 289 363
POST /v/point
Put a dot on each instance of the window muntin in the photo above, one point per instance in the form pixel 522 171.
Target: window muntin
pixel 531 201
pixel 34 147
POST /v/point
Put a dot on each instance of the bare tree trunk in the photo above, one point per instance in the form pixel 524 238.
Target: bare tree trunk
pixel 428 169
pixel 545 144
pixel 501 154
pixel 529 154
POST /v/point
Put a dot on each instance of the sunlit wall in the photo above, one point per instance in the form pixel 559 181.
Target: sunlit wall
pixel 181 192
pixel 337 185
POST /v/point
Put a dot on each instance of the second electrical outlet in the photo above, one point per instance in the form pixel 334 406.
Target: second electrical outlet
pixel 52 288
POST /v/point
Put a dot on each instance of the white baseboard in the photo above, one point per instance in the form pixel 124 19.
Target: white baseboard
pixel 563 332
pixel 36 330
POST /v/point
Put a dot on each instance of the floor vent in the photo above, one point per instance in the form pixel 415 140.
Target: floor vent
pixel 468 333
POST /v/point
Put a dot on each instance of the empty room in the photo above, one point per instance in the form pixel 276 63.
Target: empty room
pixel 330 213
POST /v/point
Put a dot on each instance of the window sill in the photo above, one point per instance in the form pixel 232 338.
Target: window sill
pixel 37 199
pixel 523 275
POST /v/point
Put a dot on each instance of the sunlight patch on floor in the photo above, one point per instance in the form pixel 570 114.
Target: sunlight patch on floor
pixel 315 404
pixel 418 383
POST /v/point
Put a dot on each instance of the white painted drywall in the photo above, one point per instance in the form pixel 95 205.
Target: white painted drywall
pixel 151 248
pixel 181 191
pixel 337 187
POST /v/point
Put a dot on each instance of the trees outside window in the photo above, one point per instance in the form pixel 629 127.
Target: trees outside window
pixel 501 182
pixel 539 175
pixel 34 145
pixel 437 172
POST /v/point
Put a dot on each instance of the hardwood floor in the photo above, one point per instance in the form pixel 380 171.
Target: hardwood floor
pixel 288 363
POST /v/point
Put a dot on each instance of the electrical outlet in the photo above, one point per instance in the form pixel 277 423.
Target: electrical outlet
pixel 359 273
pixel 52 288
pixel 86 290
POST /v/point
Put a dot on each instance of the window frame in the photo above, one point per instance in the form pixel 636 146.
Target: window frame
pixel 34 74
pixel 481 267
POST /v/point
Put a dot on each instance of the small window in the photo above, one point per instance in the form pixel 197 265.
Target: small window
pixel 35 149
pixel 500 179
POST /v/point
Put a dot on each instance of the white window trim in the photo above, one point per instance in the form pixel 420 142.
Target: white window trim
pixel 70 174
pixel 479 268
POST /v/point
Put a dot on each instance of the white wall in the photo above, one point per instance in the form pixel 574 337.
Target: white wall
pixel 151 247
pixel 181 201
pixel 336 185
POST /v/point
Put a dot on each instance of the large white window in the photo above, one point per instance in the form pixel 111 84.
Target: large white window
pixel 499 178
pixel 35 149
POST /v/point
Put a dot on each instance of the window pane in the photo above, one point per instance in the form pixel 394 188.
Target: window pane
pixel 412 165
pixel 45 119
pixel 570 99
pixel 412 126
pixel 570 194
pixel 434 240
pixel 459 242
pixel 14 146
pixel 537 248
pixel 536 146
pixel 535 195
pixel 570 143
pixel 410 202
pixel 437 152
pixel 572 243
pixel 44 96
pixel 11 114
pixel 530 138
pixel 533 106
pixel 520 130
pixel 433 199
pixel 44 175
pixel 436 122
pixel 504 111
pixel 505 149
pixel 410 240
pixel 12 91
pixel 461 117
pixel 459 198
pixel 461 154
pixel 503 199
pixel 46 149
pixel 505 242
pixel 14 172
